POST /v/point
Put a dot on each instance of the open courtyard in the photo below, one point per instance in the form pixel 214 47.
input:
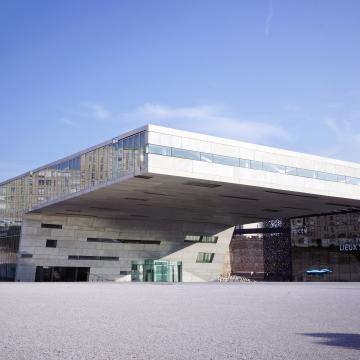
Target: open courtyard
pixel 179 321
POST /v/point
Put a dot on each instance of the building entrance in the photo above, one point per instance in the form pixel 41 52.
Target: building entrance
pixel 156 270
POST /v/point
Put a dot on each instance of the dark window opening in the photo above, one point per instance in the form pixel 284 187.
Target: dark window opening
pixel 61 273
pixel 83 257
pixel 51 226
pixel 51 243
pixel 122 272
pixel 125 241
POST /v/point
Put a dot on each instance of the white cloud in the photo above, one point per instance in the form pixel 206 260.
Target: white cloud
pixel 269 18
pixel 208 119
pixel 97 111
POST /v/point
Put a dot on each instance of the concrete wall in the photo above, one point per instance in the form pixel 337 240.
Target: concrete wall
pixel 72 240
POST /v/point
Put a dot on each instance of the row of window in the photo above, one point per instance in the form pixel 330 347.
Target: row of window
pixel 250 164
pixel 130 143
pixel 125 241
pixel 72 164
pixel 202 257
pixel 201 239
pixel 83 257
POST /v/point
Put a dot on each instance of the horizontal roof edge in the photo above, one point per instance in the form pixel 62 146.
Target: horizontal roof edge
pixel 252 146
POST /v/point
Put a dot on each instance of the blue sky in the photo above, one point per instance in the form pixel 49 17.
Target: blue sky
pixel 279 73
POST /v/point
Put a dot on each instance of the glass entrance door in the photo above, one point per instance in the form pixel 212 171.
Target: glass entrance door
pixel 161 271
pixel 156 270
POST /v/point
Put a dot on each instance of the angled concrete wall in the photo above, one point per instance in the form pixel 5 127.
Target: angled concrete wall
pixel 72 240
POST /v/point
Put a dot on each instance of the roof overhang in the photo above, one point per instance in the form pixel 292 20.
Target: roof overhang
pixel 158 197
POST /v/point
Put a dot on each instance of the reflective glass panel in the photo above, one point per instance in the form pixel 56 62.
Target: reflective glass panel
pixel 206 157
pixel 274 168
pixel 159 150
pixel 352 180
pixel 307 173
pixel 245 163
pixel 290 170
pixel 185 154
pixel 225 160
pixel 256 165
pixel 327 176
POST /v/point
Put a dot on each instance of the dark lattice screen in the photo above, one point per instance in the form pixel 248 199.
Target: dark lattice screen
pixel 277 251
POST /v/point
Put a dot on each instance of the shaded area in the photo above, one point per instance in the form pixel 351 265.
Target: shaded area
pixel 61 273
pixel 349 341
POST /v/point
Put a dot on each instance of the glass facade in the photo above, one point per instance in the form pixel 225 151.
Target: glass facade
pixel 9 245
pixel 314 248
pixel 118 158
pixel 250 164
pixel 326 248
pixel 156 270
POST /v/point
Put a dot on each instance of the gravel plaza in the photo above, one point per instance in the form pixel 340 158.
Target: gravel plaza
pixel 179 321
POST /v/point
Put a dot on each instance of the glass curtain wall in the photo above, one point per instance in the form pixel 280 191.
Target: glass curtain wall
pixel 9 246
pixel 326 248
pixel 156 270
pixel 108 162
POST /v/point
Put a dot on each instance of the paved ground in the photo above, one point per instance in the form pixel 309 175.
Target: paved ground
pixel 184 321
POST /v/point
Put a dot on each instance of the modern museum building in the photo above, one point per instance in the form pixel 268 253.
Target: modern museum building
pixel 159 204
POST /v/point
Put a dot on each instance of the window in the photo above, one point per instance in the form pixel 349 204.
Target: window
pixel 51 226
pixel 124 241
pixel 291 170
pixel 306 173
pixel 123 272
pixel 201 239
pixel 341 178
pixel 225 160
pixel 102 240
pixel 192 238
pixel 206 157
pixel 274 168
pixel 144 242
pixel 209 239
pixel 352 181
pixel 51 243
pixel 327 176
pixel 82 257
pixel 159 150
pixel 185 154
pixel 26 256
pixel 245 163
pixel 256 165
pixel 203 257
pixel 142 138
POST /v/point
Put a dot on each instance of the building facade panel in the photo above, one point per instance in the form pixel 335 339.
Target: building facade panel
pixel 74 250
